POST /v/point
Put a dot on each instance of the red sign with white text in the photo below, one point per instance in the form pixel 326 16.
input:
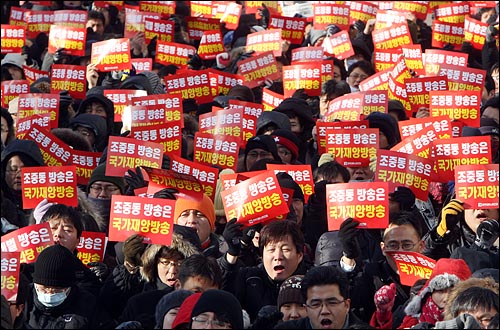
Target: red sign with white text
pixel 353 147
pixel 10 274
pixel 206 175
pixel 111 55
pixel 13 38
pixel 477 186
pixel 412 266
pixel 29 240
pixel 256 69
pixel 11 89
pixel 91 247
pixel 302 174
pixel 219 150
pixel 70 38
pixel 70 78
pixel 265 41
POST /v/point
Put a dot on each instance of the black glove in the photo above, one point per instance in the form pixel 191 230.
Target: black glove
pixel 195 62
pixel 267 318
pixel 248 235
pixel 100 270
pixel 491 33
pixel 348 236
pixel 126 282
pixel 167 193
pixel 165 163
pixel 486 234
pixel 134 180
pixel 61 57
pixel 133 248
pixel 232 234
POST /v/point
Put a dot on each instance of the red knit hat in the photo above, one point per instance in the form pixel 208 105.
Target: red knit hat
pixel 184 313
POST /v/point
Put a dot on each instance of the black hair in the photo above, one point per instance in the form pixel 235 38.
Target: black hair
pixel 363 65
pixel 405 218
pixel 340 64
pixel 333 89
pixel 200 265
pixel 325 275
pixel 330 170
pixel 65 212
pixel 473 299
pixel 94 14
pixel 489 82
pixel 278 230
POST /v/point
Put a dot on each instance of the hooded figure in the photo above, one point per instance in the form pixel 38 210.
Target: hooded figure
pixel 169 301
pixel 97 125
pixel 387 125
pixel 147 80
pixel 264 142
pixel 98 97
pixel 269 121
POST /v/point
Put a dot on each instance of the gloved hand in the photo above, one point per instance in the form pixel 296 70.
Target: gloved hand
pixel 100 270
pixel 40 210
pixel 167 193
pixel 450 216
pixel 134 180
pixel 373 164
pixel 348 234
pixel 222 60
pixel 486 234
pixel 325 158
pixel 247 237
pixel 491 33
pixel 384 301
pixel 126 282
pixel 195 62
pixel 133 248
pixel 232 234
pixel 267 319
pixel 61 57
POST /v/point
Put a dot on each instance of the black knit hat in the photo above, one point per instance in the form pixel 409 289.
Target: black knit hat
pixel 224 304
pixel 289 140
pixel 171 300
pixel 55 266
pixel 387 124
pixel 265 142
pixel 290 291
pixel 294 106
pixel 98 174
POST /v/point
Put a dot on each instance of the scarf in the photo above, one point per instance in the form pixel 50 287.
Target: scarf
pixel 431 313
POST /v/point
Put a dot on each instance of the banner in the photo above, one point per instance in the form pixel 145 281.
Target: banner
pixel 412 266
pixel 13 38
pixel 29 240
pixel 477 186
pixel 111 55
pixel 10 275
pixel 91 247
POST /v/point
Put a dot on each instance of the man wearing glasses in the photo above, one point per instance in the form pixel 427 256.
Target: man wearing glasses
pixel 326 291
pixel 102 186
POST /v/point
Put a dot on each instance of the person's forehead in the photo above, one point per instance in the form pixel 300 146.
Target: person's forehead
pixel 104 183
pixel 58 220
pixel 400 232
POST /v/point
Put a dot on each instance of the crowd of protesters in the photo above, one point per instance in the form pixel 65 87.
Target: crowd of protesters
pixel 291 273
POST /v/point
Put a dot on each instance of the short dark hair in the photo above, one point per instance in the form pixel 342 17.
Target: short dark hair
pixel 333 88
pixel 331 170
pixel 472 299
pixel 200 265
pixel 405 218
pixel 279 229
pixel 67 213
pixel 325 275
pixel 94 14
pixel 363 65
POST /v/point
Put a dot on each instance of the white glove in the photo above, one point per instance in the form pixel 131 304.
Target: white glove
pixel 222 60
pixel 40 210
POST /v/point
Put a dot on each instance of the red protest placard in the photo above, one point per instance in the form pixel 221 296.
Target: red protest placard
pixel 25 124
pixel 187 185
pixel 463 106
pixel 477 186
pixel 33 74
pixel 449 153
pixel 13 38
pixel 270 99
pixel 305 76
pixel 11 89
pixel 122 98
pixel 255 200
pixel 72 18
pixel 223 122
pixel 173 53
pixel 362 11
pixel 142 64
pixel 323 127
pixel 17 16
pixel 57 184
pixel 463 79
pixel 134 21
pixel 158 109
pixel 111 55
pixel 347 107
pixel 386 59
pixel 302 174
pixel 418 144
pixel 202 8
pixel 251 112
pixel 434 58
pixel 91 247
pixel 441 124
pixel 163 30
pixel 374 101
pixel 292 28
pixel 169 135
pixel 219 150
pixel 148 217
pixel 29 240
pixel 386 17
pixel 417 90
pixel 475 32
pixel 413 58
pixel 210 45
pixel 221 82
pixel 327 14
pixel 70 38
pixel 399 169
pixel 190 85
pixel 452 12
pixel 206 175
pixel 412 266
pixel 54 151
pixel 10 274
pixel 392 37
pixel 353 147
pixel 231 15
pixel 38 22
pixel 70 78
pixel 106 4
pixel 85 162
pixel 196 26
pixel 265 41
pixel 307 54
pixel 327 71
pixel 366 202
pixel 397 91
pixel 255 70
pixel 39 104
pixel 447 33
pixel 127 153
pixel 339 45
pixel 378 81
pixel 164 8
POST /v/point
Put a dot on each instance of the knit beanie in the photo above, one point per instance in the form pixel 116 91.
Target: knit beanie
pixel 299 108
pixel 397 107
pixel 287 139
pixel 242 93
pixel 446 273
pixel 314 35
pixel 265 142
pixel 98 174
pixel 154 82
pixel 290 291
pixel 387 124
pixel 184 314
pixel 171 300
pixel 285 180
pixel 224 304
pixel 55 266
pixel 219 207
pixel 205 206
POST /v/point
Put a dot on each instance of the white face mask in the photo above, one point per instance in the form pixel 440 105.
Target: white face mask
pixel 52 299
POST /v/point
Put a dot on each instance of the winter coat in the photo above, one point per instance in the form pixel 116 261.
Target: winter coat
pixel 304 323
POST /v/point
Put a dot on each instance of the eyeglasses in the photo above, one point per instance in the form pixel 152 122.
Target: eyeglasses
pixel 49 290
pixel 357 75
pixel 262 154
pixel 216 324
pixel 395 245
pixel 131 268
pixel 329 303
pixel 5 130
pixel 108 189
pixel 171 263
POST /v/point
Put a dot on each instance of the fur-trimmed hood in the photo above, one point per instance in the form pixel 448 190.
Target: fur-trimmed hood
pixel 150 256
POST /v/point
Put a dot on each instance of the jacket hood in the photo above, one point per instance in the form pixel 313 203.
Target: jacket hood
pixel 108 105
pixel 27 149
